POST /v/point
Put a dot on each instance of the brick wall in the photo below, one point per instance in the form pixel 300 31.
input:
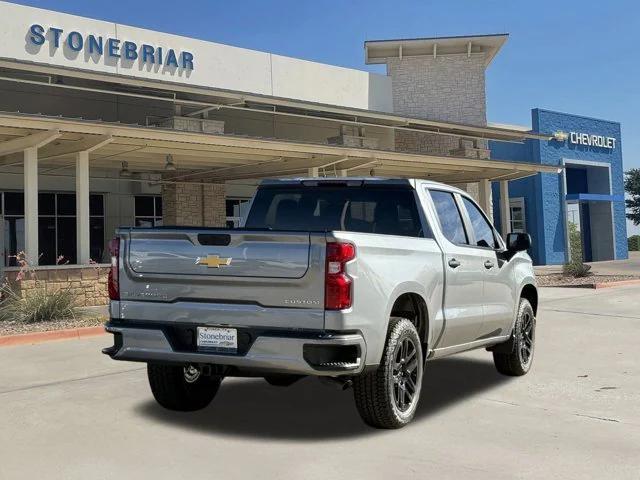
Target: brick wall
pixel 214 210
pixel 193 204
pixel 88 284
pixel 449 88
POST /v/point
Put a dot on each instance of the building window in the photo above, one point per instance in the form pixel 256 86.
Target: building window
pixel 148 210
pixel 518 221
pixel 236 211
pixel 56 227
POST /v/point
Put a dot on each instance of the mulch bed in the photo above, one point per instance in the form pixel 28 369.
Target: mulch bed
pixel 13 328
pixel 559 280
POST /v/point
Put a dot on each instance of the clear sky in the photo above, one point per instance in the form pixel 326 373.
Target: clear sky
pixel 578 56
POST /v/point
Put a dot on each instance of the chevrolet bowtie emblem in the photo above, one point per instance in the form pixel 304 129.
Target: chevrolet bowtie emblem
pixel 213 261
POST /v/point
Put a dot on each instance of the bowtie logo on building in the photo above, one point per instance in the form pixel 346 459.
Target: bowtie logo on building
pixel 560 136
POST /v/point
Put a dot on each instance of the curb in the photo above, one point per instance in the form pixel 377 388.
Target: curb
pixel 50 335
pixel 619 283
pixel 597 286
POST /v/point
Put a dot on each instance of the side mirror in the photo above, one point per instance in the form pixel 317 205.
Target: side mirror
pixel 518 242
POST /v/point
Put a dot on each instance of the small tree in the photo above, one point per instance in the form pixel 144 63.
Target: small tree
pixel 632 187
pixel 575 267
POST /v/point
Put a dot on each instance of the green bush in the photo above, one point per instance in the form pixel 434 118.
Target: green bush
pixel 575 243
pixel 576 269
pixel 634 243
pixel 36 305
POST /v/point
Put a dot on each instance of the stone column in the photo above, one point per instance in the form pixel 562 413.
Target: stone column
pixel 31 205
pixel 214 209
pixel 484 197
pixel 83 234
pixel 192 204
pixel 449 88
pixel 505 208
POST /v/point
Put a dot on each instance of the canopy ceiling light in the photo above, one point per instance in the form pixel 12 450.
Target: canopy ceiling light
pixel 124 171
pixel 170 166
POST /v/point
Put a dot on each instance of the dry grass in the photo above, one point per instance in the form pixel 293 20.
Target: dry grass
pixel 11 327
pixel 38 306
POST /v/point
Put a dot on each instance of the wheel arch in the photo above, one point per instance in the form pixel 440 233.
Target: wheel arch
pixel 530 292
pixel 413 306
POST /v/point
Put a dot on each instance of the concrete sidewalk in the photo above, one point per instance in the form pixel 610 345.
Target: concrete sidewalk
pixel 68 412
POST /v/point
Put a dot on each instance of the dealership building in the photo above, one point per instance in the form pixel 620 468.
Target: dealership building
pixel 105 125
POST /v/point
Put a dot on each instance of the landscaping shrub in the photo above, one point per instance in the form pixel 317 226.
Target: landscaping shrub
pixel 576 269
pixel 38 305
pixel 634 243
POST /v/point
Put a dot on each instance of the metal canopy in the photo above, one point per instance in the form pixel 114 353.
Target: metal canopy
pixel 378 51
pixel 201 99
pixel 221 157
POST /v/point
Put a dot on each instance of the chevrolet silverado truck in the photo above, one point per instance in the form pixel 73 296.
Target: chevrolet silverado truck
pixel 357 281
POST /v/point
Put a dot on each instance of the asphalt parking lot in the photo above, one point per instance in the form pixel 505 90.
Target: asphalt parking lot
pixel 68 412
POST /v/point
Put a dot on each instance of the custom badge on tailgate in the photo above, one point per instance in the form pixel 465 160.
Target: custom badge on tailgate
pixel 213 261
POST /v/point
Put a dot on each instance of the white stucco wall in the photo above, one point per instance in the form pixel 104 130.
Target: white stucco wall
pixel 215 65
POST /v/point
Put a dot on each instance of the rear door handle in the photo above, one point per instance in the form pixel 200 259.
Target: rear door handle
pixel 488 264
pixel 453 263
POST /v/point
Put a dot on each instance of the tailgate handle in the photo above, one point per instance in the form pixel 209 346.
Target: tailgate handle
pixel 214 239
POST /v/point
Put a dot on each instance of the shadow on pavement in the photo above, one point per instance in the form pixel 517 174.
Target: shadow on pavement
pixel 309 410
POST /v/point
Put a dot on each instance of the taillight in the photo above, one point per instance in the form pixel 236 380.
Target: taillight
pixel 338 291
pixel 114 284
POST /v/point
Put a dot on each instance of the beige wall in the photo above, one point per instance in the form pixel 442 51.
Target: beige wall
pixel 215 65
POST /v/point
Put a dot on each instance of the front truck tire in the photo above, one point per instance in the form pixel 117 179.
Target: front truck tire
pixel 514 357
pixel 388 397
pixel 177 388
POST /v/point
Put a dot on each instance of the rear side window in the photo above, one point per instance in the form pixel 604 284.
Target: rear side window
pixel 387 211
pixel 481 229
pixel 449 216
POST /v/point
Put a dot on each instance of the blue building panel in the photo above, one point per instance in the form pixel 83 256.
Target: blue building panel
pixel 592 144
pixel 594 197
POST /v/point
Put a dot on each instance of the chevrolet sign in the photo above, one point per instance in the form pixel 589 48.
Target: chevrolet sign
pixel 592 140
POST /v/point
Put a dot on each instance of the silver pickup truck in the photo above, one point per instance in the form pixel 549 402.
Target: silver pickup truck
pixel 356 281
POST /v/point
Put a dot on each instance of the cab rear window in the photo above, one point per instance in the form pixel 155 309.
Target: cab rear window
pixel 386 211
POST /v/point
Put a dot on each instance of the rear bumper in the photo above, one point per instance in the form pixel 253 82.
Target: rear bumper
pixel 316 353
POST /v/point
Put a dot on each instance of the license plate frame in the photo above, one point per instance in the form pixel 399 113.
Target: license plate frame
pixel 217 339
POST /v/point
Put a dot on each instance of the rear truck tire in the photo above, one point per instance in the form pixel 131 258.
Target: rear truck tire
pixel 514 357
pixel 388 396
pixel 282 380
pixel 183 389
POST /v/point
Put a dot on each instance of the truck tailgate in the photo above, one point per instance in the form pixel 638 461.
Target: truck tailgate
pixel 226 267
pixel 210 254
